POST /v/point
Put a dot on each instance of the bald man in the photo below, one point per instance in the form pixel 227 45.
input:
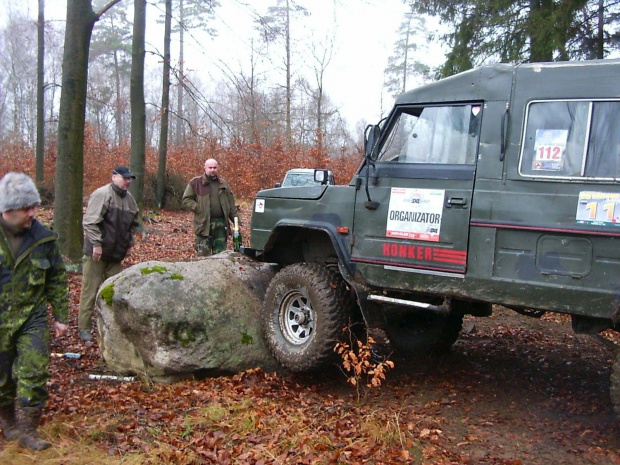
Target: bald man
pixel 213 204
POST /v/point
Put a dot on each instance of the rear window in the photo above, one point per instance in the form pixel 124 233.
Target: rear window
pixel 572 139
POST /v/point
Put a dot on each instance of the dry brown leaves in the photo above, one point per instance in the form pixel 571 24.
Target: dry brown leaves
pixel 250 418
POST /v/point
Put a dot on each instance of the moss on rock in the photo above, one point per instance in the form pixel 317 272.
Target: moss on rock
pixel 154 269
pixel 107 294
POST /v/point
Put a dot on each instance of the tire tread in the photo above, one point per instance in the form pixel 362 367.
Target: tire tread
pixel 335 300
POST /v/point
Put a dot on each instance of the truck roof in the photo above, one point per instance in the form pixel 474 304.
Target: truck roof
pixel 562 79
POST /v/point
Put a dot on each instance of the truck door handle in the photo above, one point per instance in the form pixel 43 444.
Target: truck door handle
pixel 456 201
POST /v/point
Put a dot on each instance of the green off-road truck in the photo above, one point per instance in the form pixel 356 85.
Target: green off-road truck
pixel 500 185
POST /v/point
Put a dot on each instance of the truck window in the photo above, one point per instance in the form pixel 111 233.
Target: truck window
pixel 434 134
pixel 603 160
pixel 298 179
pixel 571 139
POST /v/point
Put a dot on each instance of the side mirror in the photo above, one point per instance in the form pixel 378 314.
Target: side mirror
pixel 278 184
pixel 321 176
pixel 371 138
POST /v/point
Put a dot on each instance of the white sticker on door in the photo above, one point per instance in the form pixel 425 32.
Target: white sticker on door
pixel 259 207
pixel 415 213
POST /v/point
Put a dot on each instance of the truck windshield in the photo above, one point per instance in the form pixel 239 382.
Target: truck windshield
pixel 434 134
pixel 298 179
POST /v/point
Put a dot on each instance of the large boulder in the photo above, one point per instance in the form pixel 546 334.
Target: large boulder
pixel 170 320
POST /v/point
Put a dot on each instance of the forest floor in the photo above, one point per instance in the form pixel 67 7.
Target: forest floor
pixel 513 390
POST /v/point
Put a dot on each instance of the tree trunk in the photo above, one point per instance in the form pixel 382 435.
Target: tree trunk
pixel 289 131
pixel 118 108
pixel 180 126
pixel 136 97
pixel 406 57
pixel 254 137
pixel 71 116
pixel 165 104
pixel 40 150
pixel 320 131
pixel 600 43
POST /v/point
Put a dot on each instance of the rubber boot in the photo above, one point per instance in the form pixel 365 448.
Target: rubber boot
pixel 7 422
pixel 28 420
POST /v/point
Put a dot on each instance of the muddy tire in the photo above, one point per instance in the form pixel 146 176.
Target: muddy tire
pixel 306 307
pixel 614 389
pixel 422 332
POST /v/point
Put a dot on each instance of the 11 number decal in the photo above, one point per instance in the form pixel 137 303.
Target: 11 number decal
pixel 608 207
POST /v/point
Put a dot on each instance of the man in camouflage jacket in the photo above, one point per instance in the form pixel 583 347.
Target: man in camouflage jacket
pixel 32 274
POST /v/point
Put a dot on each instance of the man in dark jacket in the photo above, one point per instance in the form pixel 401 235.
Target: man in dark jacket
pixel 213 204
pixel 32 274
pixel 109 223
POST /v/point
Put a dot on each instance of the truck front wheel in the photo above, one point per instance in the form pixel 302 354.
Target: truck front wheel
pixel 419 332
pixel 306 307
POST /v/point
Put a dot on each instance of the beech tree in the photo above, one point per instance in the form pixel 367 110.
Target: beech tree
pixel 40 149
pixel 160 195
pixel 71 117
pixel 138 112
pixel 191 14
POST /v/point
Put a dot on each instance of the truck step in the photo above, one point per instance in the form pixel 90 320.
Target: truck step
pixel 410 303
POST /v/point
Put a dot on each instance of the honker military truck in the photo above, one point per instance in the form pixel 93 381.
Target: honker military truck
pixel 500 185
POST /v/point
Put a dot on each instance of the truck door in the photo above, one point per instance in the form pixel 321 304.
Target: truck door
pixel 413 203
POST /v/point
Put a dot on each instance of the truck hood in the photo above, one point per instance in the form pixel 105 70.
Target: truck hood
pixel 302 192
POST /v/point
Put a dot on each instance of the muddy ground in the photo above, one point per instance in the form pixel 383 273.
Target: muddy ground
pixel 517 390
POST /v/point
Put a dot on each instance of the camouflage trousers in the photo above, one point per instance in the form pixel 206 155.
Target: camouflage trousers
pixel 24 357
pixel 215 242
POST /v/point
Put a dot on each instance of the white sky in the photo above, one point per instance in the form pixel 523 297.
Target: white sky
pixel 364 32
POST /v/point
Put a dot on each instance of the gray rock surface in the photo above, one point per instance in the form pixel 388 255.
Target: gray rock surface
pixel 171 320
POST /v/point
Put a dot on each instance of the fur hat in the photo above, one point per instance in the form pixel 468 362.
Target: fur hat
pixel 17 191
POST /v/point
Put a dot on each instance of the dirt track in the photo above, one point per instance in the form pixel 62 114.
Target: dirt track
pixel 516 390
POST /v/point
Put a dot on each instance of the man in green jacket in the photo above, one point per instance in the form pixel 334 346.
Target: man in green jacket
pixel 32 274
pixel 213 204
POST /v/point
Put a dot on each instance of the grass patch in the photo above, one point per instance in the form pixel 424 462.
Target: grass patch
pixel 66 450
pixel 273 424
pixel 212 414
